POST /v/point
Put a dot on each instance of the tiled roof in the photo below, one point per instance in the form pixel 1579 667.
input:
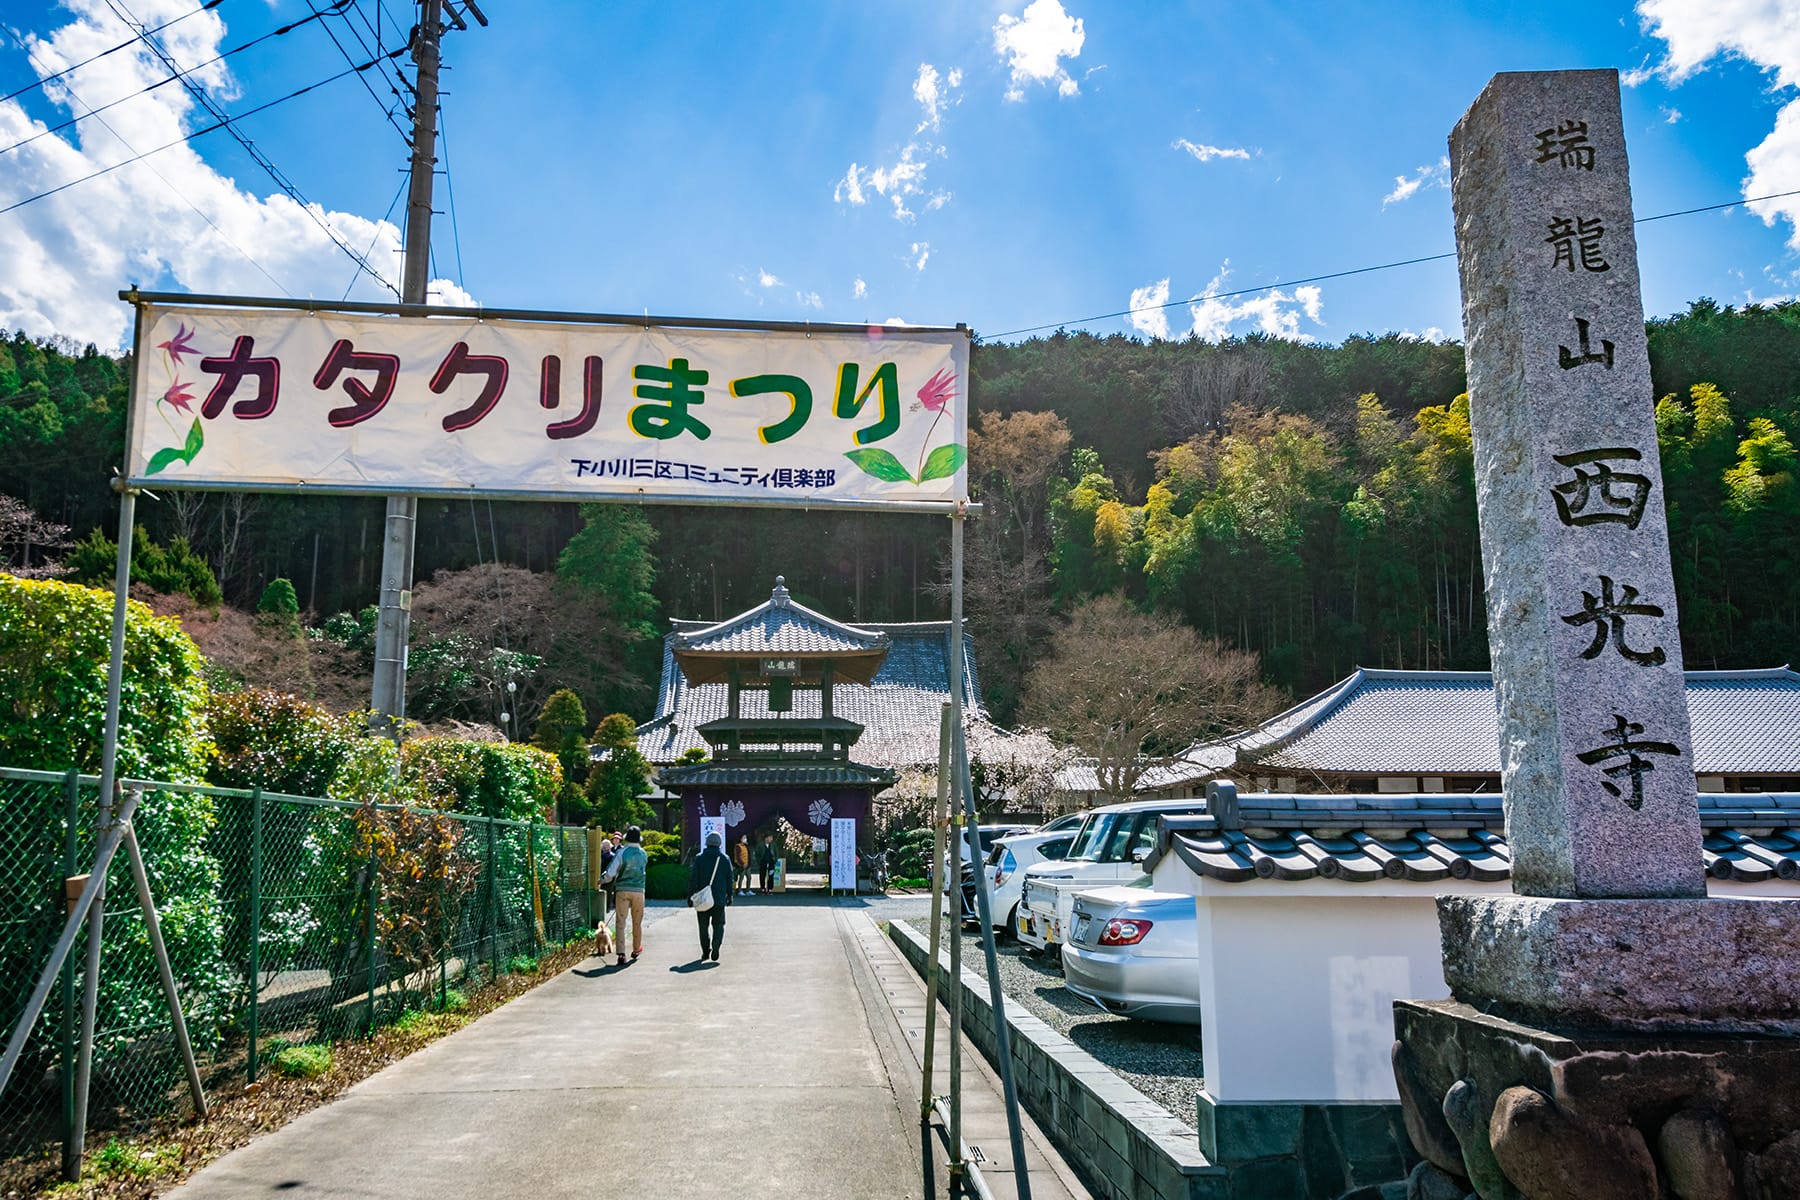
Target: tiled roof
pixel 1083 775
pixel 776 775
pixel 778 626
pixel 1428 838
pixel 1446 723
pixel 899 710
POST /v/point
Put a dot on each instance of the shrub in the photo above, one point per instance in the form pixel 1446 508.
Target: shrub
pixel 522 964
pixel 302 1062
pixel 277 742
pixel 177 568
pixel 661 847
pixel 666 881
pixel 491 779
pixel 55 643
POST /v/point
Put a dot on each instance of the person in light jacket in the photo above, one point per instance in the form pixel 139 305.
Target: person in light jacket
pixel 710 870
pixel 626 874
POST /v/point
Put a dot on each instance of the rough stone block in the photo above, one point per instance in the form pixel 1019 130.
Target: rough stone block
pixel 1726 966
pixel 1523 1100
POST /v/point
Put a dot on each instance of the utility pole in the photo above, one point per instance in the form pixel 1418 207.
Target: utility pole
pixel 394 617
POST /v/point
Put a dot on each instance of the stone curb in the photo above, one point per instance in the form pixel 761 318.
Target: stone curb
pixel 1127 1145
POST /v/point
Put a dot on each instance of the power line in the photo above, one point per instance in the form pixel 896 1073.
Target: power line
pixel 1405 262
pixel 58 128
pixel 450 191
pixel 216 125
pixel 181 195
pixel 207 7
pixel 376 236
pixel 257 156
pixel 339 9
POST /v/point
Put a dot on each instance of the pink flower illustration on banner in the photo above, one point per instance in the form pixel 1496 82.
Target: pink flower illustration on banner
pixel 942 462
pixel 939 390
pixel 179 397
pixel 182 343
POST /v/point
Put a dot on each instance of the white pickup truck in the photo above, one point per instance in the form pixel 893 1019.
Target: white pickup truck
pixel 1110 847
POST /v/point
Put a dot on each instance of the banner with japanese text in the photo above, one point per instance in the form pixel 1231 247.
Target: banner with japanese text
pixel 275 399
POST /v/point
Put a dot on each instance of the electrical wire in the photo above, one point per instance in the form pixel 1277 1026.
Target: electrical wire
pixel 144 91
pixel 376 236
pixel 181 195
pixel 188 137
pixel 257 156
pixel 1406 262
pixel 212 4
pixel 450 193
pixel 339 9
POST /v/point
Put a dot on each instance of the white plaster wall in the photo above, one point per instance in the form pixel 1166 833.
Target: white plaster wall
pixel 1297 993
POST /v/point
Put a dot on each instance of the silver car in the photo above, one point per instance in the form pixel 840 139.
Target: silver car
pixel 1135 952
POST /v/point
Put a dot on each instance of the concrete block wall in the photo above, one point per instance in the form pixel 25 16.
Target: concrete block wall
pixel 1126 1146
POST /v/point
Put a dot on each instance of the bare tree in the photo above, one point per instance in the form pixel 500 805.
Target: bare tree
pixel 28 543
pixel 1211 385
pixel 1133 689
pixel 1014 771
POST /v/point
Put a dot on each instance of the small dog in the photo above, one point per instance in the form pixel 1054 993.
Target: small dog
pixel 603 942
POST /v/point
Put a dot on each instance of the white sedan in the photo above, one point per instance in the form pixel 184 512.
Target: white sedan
pixel 1005 868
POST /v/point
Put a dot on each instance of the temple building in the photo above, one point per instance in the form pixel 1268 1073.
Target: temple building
pixel 1438 731
pixel 800 716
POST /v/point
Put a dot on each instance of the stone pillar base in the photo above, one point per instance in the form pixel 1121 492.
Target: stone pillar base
pixel 1514 1111
pixel 1316 1151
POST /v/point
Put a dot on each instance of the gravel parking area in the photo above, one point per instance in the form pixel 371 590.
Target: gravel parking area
pixel 1161 1061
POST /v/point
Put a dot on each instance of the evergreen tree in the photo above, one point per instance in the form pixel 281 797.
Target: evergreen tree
pixel 618 782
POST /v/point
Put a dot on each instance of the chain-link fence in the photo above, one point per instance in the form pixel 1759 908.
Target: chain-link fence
pixel 288 920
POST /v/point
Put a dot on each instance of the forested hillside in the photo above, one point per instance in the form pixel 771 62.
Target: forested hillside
pixel 1312 504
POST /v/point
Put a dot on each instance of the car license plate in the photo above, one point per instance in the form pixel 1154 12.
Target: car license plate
pixel 1081 926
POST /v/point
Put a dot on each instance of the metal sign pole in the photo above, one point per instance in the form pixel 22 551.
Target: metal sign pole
pixel 953 873
pixel 939 810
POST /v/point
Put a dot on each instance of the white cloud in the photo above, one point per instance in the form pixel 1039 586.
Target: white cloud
pixel 906 178
pixel 1216 316
pixel 1034 44
pixel 919 255
pixel 1763 32
pixel 1670 113
pixel 809 299
pixel 896 321
pixel 1149 314
pixel 859 289
pixel 1207 153
pixel 766 279
pixel 170 220
pixel 1405 186
pixel 935 93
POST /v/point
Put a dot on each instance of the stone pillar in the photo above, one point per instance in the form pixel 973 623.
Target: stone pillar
pixel 1596 765
pixel 1612 1032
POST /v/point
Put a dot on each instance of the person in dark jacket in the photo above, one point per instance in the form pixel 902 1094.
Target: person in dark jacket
pixel 710 869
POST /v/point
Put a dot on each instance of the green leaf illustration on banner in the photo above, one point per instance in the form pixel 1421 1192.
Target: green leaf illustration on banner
pixel 944 462
pixel 169 454
pixel 879 463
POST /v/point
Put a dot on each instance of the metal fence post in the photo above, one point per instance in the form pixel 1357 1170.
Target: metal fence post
pixel 492 916
pixel 369 1004
pixel 71 814
pixel 256 857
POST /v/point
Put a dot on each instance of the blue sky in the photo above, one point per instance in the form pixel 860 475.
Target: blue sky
pixel 1001 164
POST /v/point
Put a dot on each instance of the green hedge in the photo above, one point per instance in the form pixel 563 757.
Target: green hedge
pixel 666 881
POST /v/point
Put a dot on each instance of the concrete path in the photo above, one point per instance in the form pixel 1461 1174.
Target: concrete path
pixel 755 1077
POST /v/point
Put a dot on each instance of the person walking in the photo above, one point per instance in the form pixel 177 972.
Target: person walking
pixel 607 853
pixel 711 873
pixel 629 867
pixel 765 862
pixel 740 867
